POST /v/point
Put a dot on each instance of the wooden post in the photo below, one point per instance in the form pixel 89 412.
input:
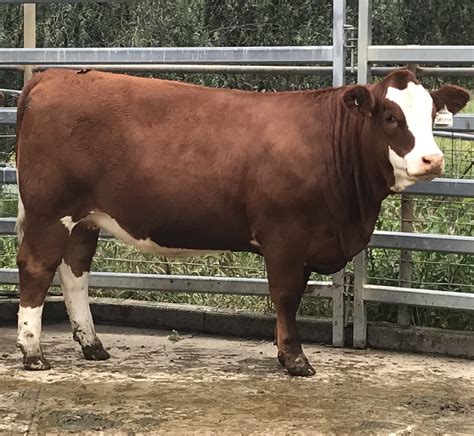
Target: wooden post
pixel 406 257
pixel 29 34
pixel 360 306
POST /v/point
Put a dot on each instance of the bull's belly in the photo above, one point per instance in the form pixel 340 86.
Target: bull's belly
pixel 110 225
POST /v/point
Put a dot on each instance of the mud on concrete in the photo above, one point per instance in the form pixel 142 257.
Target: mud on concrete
pixel 156 383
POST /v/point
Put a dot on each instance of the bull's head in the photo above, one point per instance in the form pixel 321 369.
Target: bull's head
pixel 399 116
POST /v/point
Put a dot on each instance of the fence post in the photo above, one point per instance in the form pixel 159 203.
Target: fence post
pixel 29 34
pixel 338 79
pixel 406 256
pixel 338 311
pixel 364 40
pixel 338 43
pixel 360 306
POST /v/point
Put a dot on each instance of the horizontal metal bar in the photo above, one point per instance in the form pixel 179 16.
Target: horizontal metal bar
pixel 438 187
pixel 461 122
pixel 60 1
pixel 200 69
pixel 291 55
pixel 7 226
pixel 454 135
pixel 424 54
pixel 10 91
pixel 252 69
pixel 7 116
pixel 179 283
pixel 444 71
pixel 380 239
pixel 7 176
pixel 418 297
pixel 423 242
pixel 444 187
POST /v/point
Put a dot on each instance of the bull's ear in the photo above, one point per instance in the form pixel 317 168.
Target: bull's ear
pixel 359 101
pixel 451 96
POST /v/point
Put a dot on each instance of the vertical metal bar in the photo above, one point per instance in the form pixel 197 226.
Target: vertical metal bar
pixel 364 40
pixel 360 306
pixel 338 43
pixel 29 34
pixel 338 79
pixel 338 310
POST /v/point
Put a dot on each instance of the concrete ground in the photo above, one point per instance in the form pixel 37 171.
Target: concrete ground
pixel 180 383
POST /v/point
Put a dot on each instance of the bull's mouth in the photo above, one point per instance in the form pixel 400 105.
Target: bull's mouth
pixel 425 176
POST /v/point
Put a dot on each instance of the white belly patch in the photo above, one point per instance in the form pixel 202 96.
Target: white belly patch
pixel 110 225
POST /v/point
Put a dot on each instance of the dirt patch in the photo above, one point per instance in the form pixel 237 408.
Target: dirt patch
pixel 208 384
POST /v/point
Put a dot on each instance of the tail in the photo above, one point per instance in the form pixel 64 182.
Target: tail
pixel 19 225
pixel 22 105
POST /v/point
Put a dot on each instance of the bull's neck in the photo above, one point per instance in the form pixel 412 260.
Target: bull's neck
pixel 358 184
pixel 368 165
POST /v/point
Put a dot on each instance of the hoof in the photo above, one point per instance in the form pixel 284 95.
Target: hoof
pixel 35 363
pixel 95 352
pixel 281 358
pixel 297 365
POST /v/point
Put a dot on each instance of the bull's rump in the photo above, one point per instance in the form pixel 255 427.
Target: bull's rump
pixel 178 163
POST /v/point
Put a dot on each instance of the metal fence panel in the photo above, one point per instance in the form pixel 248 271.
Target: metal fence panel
pixel 289 55
pixel 419 297
pixel 410 54
pixel 425 54
pixel 423 242
pixel 178 283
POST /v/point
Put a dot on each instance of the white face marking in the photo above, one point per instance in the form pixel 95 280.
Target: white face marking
pixel 416 104
pixel 110 225
pixel 29 330
pixel 76 299
pixel 68 223
pixel 20 220
pixel 402 179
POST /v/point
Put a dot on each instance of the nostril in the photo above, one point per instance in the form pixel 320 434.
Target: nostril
pixel 433 162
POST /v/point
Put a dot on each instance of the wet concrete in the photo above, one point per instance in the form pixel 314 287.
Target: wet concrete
pixel 157 382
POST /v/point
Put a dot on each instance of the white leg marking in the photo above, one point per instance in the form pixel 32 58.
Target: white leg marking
pixel 68 223
pixel 20 220
pixel 29 330
pixel 76 299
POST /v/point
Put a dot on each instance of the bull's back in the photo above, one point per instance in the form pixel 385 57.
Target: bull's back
pixel 162 158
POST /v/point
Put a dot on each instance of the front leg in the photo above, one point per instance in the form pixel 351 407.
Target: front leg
pixel 287 280
pixel 306 274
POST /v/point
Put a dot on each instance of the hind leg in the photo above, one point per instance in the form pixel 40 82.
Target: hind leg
pixel 74 272
pixel 40 252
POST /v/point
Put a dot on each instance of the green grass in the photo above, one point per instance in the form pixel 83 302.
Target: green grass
pixel 469 108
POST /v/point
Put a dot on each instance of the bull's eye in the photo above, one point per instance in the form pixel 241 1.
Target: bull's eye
pixel 389 118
